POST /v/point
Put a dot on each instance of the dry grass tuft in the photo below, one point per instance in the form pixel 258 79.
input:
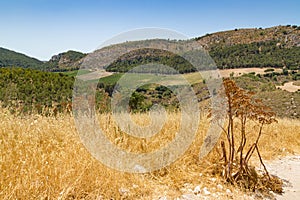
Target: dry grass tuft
pixel 43 158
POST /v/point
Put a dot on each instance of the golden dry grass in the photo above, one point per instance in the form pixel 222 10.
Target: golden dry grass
pixel 43 158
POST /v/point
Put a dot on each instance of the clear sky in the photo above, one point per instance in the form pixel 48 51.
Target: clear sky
pixel 42 28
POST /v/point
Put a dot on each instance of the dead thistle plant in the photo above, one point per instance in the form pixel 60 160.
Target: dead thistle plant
pixel 242 108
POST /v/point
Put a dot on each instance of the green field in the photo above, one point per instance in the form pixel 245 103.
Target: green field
pixel 76 72
pixel 141 78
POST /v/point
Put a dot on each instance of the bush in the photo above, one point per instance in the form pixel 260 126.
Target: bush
pixel 269 70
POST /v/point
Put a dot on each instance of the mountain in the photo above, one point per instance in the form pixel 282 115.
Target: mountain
pixel 277 46
pixel 70 60
pixel 10 58
pixel 287 36
pixel 66 61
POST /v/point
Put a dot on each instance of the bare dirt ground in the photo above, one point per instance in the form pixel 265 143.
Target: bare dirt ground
pixel 239 72
pixel 290 87
pixel 288 169
pixel 95 75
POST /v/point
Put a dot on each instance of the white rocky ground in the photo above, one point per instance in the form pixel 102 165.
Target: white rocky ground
pixel 287 168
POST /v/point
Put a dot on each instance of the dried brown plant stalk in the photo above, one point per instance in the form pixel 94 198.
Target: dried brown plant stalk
pixel 242 107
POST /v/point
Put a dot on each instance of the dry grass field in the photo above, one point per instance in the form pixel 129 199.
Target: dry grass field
pixel 43 158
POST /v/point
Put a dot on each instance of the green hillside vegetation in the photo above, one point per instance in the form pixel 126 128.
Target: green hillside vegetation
pixel 145 56
pixel 10 58
pixel 67 61
pixel 74 73
pixel 288 35
pixel 258 54
pixel 277 46
pixel 283 103
pixel 28 90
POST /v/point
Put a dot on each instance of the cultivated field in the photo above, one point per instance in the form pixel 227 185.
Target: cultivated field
pixel 43 158
pixel 241 71
pixel 140 78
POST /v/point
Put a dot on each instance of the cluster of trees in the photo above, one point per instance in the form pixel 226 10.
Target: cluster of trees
pixel 67 61
pixel 258 54
pixel 26 91
pixel 29 90
pixel 147 56
pixel 10 58
pixel 293 26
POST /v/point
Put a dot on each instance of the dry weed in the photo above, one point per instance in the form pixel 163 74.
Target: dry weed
pixel 43 158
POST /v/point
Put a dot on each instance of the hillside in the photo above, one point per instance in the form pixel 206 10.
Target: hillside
pixel 25 90
pixel 288 36
pixel 70 60
pixel 277 46
pixel 10 58
pixel 146 56
pixel 66 61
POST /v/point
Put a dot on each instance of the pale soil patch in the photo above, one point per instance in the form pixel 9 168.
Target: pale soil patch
pixel 288 169
pixel 241 71
pixel 94 75
pixel 297 83
pixel 290 87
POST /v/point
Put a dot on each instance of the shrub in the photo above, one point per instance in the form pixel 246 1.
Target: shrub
pixel 269 70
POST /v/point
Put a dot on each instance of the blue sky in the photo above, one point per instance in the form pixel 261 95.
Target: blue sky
pixel 42 28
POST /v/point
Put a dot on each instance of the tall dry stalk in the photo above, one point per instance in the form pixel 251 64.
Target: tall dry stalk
pixel 242 108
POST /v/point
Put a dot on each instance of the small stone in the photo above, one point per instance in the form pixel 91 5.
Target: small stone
pixel 100 197
pixel 215 195
pixel 213 179
pixel 123 191
pixel 139 168
pixel 228 191
pixel 197 189
pixel 163 198
pixel 205 191
pixel 219 186
pixel 190 190
pixel 188 197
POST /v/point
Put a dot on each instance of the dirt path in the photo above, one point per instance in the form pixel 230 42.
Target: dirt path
pixel 287 168
pixel 95 75
pixel 290 87
pixel 241 71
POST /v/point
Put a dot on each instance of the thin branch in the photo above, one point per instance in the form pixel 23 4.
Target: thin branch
pixel 261 161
